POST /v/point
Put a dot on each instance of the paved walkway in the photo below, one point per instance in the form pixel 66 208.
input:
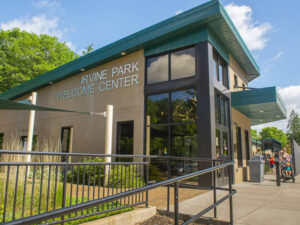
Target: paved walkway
pixel 254 203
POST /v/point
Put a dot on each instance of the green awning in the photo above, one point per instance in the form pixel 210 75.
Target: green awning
pixel 261 105
pixel 26 105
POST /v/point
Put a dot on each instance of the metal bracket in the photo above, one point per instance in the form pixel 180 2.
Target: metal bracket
pixel 104 114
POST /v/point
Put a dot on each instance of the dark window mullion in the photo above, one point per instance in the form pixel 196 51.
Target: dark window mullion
pixel 170 119
pixel 169 66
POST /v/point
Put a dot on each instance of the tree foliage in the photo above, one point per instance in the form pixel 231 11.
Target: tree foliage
pixel 293 128
pixel 273 132
pixel 88 49
pixel 254 134
pixel 24 56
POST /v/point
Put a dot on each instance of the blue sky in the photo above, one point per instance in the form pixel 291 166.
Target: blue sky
pixel 270 29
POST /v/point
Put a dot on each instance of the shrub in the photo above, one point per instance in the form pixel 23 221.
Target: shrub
pixel 95 174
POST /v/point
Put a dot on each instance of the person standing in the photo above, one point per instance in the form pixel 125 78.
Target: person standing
pixel 272 163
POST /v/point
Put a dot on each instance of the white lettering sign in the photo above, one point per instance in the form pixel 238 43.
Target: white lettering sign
pixel 121 77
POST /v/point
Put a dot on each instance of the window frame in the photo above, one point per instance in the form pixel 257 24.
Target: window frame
pixel 224 77
pixel 170 123
pixel 169 65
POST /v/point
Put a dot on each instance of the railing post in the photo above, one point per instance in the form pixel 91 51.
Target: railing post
pixel 214 190
pixel 168 189
pixel 63 205
pixel 147 181
pixel 230 192
pixel 277 172
pixel 176 206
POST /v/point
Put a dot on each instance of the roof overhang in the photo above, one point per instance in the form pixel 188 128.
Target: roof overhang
pixel 261 105
pixel 222 34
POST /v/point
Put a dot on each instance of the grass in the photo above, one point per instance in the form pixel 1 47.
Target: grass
pixel 37 203
pixel 34 197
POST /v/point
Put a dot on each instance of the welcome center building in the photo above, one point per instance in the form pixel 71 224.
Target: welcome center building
pixel 179 88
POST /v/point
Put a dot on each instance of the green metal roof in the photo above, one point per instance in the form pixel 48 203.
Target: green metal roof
pixel 26 105
pixel 221 33
pixel 260 105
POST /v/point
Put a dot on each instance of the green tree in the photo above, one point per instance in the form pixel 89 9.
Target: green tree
pixel 24 56
pixel 273 132
pixel 254 134
pixel 88 49
pixel 293 128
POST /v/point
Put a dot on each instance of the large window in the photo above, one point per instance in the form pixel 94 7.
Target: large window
pixel 157 69
pixel 222 110
pixel 171 66
pixel 222 126
pixel 172 114
pixel 171 126
pixel 219 69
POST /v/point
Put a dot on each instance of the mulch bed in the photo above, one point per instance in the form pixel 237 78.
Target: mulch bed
pixel 161 220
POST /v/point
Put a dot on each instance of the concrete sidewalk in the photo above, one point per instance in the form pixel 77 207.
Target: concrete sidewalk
pixel 254 203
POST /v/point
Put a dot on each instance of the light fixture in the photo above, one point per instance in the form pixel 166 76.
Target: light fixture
pixel 123 53
pixel 50 82
pixel 278 116
pixel 261 120
pixel 261 111
pixel 82 69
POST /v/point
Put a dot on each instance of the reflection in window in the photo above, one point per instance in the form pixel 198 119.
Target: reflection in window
pixel 217 108
pixel 225 145
pixel 159 140
pixel 158 108
pixel 221 110
pixel 183 64
pixel 219 69
pixel 184 106
pixel 157 69
pixel 158 146
pixel 184 140
pixel 171 134
pixel 218 144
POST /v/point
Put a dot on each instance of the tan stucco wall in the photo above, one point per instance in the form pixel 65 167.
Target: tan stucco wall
pixel 88 130
pixel 240 120
pixel 235 69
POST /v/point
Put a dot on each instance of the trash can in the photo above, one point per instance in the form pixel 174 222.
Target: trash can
pixel 257 168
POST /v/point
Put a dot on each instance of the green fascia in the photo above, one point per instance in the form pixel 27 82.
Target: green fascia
pixel 260 105
pixel 217 44
pixel 200 35
pixel 240 40
pixel 161 33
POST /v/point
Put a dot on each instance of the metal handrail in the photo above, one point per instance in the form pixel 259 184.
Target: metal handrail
pixel 74 208
pixel 111 155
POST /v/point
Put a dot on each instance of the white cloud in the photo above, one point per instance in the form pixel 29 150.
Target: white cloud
pixel 40 24
pixel 291 98
pixel 179 11
pixel 46 4
pixel 37 24
pixel 278 55
pixel 52 7
pixel 253 33
pixel 71 45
